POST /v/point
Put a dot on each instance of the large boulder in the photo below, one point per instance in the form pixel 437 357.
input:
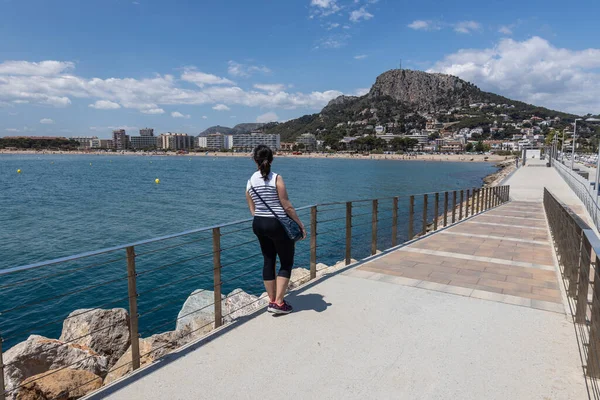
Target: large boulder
pixel 104 331
pixel 151 349
pixel 239 303
pixel 198 310
pixel 65 384
pixel 299 277
pixel 38 354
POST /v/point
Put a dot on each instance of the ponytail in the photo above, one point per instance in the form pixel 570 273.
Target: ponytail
pixel 265 169
pixel 263 157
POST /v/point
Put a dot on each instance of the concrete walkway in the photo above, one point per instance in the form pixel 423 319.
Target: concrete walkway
pixel 471 312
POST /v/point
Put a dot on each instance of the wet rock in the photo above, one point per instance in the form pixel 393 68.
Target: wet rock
pixel 104 331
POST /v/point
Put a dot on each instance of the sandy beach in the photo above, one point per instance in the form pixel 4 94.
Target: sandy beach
pixel 424 157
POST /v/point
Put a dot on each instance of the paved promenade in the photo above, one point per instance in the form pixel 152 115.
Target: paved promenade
pixel 474 311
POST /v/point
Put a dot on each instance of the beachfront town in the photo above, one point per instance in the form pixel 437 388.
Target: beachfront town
pixel 504 134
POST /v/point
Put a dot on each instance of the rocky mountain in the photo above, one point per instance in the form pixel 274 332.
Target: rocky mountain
pixel 236 130
pixel 398 99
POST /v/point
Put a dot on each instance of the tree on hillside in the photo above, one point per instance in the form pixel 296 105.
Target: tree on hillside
pixel 469 147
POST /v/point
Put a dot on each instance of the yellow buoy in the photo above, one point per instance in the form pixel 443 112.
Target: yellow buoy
pixel 157 181
pixel 18 171
pixel 90 164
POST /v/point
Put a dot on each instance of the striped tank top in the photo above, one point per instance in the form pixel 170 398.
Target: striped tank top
pixel 267 190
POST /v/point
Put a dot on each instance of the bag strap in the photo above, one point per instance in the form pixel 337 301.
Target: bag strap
pixel 264 202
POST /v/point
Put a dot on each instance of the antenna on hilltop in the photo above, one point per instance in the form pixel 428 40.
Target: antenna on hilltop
pixel 400 63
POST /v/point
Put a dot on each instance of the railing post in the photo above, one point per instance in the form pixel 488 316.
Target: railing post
pixel 374 229
pixel 348 232
pixel 454 206
pixel 593 356
pixel 467 204
pixel 425 201
pixel 461 205
pixel 507 193
pixel 217 275
pixel 473 201
pixel 313 242
pixel 486 198
pixel 436 211
pixel 445 209
pixel 478 209
pixel 411 217
pixel 584 281
pixel 395 222
pixel 133 309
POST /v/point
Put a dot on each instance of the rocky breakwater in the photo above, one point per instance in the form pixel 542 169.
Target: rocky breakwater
pixel 94 347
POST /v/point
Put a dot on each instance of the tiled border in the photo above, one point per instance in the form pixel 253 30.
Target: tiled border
pixel 460 291
pixel 510 239
pixel 479 258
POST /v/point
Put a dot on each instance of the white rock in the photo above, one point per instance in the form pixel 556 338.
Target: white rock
pixel 104 331
pixel 239 303
pixel 38 354
pixel 299 277
pixel 197 310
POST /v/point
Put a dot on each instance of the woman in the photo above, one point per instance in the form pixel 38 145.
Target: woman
pixel 273 239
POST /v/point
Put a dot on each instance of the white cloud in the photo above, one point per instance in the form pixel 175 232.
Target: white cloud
pixel 359 14
pixel 332 25
pixel 467 26
pixel 105 105
pixel 12 130
pixel 200 78
pixel 153 111
pixel 46 121
pixel 270 87
pixel 204 117
pixel 324 8
pixel 177 114
pixel 533 71
pixel 112 128
pixel 245 70
pixel 333 41
pixel 425 25
pixel 361 91
pixel 232 116
pixel 267 117
pixel 221 107
pixel 44 68
pixel 148 95
pixel 505 30
pixel 360 57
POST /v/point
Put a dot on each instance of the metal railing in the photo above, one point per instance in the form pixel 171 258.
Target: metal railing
pixel 152 278
pixel 582 188
pixel 578 248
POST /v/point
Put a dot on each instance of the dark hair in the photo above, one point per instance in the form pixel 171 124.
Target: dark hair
pixel 263 157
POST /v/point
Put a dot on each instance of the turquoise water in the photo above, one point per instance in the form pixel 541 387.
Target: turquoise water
pixel 63 205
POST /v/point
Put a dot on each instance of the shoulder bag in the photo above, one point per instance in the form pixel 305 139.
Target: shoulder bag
pixel 290 226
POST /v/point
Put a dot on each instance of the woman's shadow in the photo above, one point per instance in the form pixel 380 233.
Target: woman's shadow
pixel 307 302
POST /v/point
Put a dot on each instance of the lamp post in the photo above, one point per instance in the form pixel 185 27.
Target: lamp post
pixel 562 149
pixel 573 143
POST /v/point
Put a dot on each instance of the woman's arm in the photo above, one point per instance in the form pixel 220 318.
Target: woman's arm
pixel 250 202
pixel 287 204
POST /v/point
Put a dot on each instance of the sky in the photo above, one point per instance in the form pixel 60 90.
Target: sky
pixel 86 67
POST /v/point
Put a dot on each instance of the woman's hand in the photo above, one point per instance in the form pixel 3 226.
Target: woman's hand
pixel 303 231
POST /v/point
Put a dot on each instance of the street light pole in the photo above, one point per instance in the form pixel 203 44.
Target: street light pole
pixel 562 150
pixel 573 144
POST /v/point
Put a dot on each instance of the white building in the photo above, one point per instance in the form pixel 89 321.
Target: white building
pixel 308 140
pixel 85 142
pixel 250 141
pixel 201 142
pixel 101 144
pixel 175 141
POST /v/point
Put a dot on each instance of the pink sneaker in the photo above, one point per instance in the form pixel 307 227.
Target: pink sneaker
pixel 284 308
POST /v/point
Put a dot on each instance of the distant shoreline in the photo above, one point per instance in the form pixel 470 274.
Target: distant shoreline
pixel 426 157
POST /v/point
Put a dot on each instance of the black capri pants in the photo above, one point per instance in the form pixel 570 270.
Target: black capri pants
pixel 274 242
